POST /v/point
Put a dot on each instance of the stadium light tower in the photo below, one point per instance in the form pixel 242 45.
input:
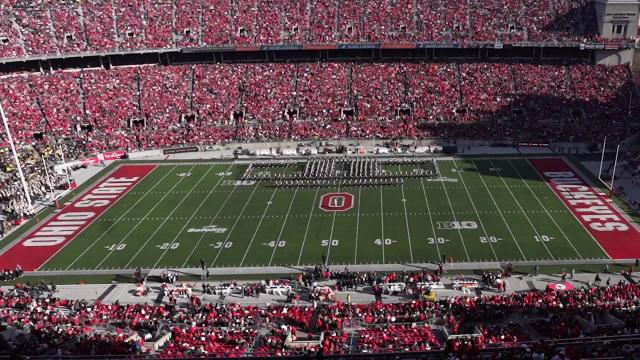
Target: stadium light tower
pixel 15 156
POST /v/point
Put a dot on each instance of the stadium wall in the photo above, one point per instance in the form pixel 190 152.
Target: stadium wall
pixel 614 57
pixel 556 53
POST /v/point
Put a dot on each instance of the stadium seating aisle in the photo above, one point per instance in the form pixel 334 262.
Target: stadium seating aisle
pixel 99 25
pixel 158 20
pixel 110 99
pixel 130 27
pixel 19 104
pixel 203 328
pixel 13 46
pixel 58 96
pixel 67 26
pixel 51 27
pixel 187 26
pixel 36 30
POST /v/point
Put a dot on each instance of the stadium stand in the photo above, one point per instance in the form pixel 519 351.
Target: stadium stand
pixel 45 27
pixel 144 107
pixel 195 328
pixel 14 209
pixel 105 107
pixel 304 101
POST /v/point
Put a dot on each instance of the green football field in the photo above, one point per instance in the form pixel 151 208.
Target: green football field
pixel 475 210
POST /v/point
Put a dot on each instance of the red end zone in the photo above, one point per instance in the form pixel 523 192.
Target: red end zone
pixel 616 235
pixel 35 249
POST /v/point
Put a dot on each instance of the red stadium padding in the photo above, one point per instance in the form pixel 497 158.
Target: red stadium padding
pixel 35 249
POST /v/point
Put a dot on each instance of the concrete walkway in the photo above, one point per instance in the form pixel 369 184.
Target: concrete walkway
pixel 125 293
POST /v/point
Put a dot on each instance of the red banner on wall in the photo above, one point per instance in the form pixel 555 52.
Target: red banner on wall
pixel 90 161
pixel 113 155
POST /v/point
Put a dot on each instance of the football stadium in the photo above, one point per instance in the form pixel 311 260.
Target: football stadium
pixel 320 178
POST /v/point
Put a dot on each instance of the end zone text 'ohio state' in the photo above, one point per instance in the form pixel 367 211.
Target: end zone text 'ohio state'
pixel 40 245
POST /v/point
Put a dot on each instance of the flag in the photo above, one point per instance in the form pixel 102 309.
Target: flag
pixel 559 286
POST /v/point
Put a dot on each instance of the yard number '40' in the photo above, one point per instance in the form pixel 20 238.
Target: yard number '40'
pixel 381 242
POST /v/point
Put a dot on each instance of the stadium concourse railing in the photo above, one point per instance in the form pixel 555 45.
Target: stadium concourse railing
pixel 587 45
pixel 611 342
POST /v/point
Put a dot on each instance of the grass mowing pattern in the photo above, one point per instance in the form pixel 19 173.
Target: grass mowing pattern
pixel 518 217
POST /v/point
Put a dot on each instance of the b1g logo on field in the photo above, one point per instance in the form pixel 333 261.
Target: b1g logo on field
pixel 457 225
pixel 336 202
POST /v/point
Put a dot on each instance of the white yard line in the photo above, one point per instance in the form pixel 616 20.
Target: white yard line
pixel 193 214
pixel 264 213
pixel 304 239
pixel 168 216
pixel 333 222
pixel 105 232
pixel 406 217
pixel 446 193
pixel 355 255
pixel 283 225
pixel 382 224
pixel 495 203
pixel 226 239
pixel 212 220
pixel 473 204
pixel 433 227
pixel 547 211
pixel 521 209
pixel 142 218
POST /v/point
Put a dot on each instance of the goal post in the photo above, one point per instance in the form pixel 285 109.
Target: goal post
pixel 613 174
pixel 604 148
pixel 610 185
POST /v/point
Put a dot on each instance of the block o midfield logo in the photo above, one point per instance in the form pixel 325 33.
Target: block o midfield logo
pixel 333 202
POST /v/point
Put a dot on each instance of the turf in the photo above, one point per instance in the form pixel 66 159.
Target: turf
pixel 518 217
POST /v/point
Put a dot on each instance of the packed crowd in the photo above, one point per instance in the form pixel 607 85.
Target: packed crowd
pixel 45 325
pixel 628 167
pixel 14 208
pixel 11 274
pixel 49 28
pixel 631 166
pixel 395 338
pixel 150 107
